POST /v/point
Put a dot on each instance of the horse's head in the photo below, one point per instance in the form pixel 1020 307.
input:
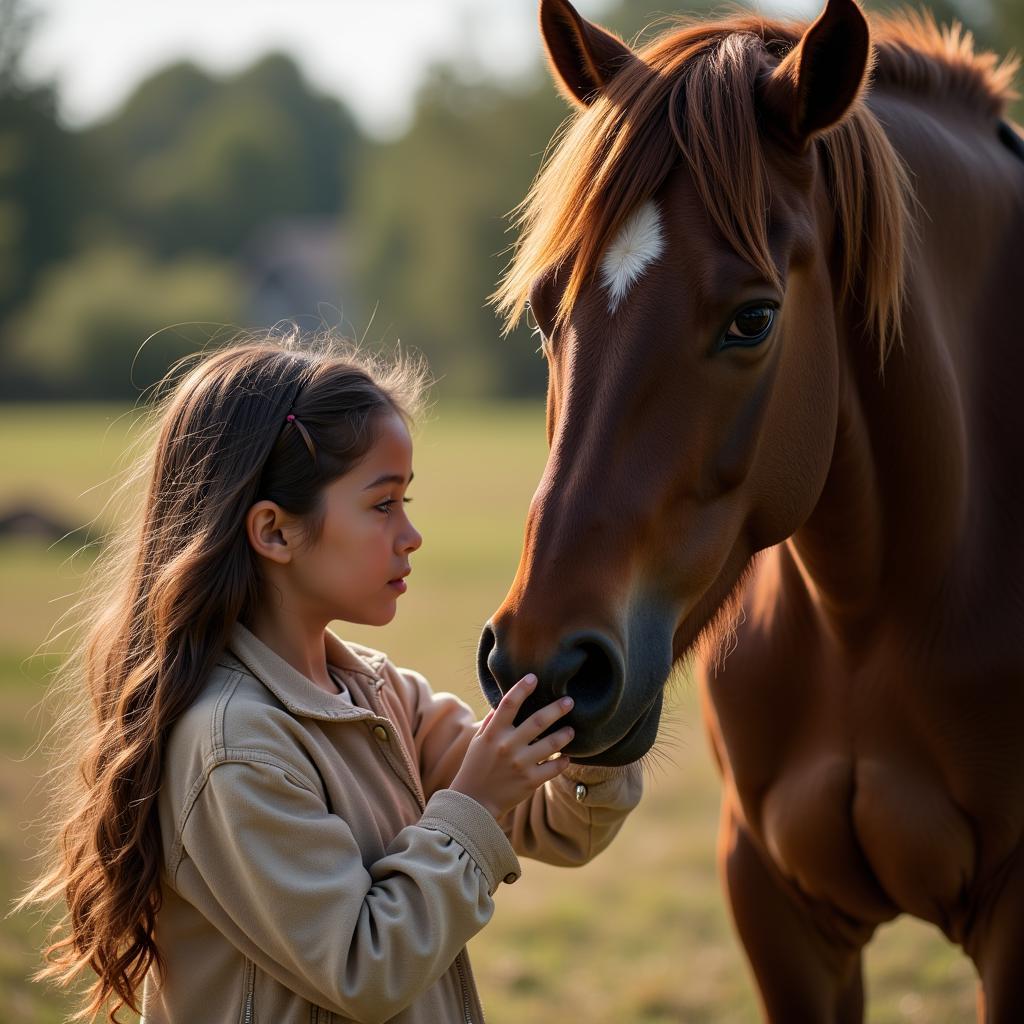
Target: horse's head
pixel 677 253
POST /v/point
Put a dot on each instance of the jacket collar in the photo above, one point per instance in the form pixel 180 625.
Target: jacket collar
pixel 296 692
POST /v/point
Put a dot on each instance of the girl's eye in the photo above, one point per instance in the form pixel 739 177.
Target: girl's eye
pixel 385 506
pixel 751 326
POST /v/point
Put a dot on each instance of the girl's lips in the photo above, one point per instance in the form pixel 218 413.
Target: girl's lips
pixel 398 585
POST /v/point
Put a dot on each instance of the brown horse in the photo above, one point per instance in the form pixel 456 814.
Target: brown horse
pixel 782 316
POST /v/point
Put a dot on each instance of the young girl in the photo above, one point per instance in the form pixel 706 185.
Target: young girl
pixel 275 826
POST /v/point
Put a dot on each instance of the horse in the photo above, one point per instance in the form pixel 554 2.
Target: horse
pixel 776 271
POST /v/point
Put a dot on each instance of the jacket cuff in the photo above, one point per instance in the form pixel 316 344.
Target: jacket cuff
pixel 597 786
pixel 473 827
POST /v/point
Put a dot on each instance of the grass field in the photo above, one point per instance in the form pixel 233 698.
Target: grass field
pixel 639 936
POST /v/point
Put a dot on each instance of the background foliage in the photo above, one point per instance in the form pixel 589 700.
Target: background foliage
pixel 182 205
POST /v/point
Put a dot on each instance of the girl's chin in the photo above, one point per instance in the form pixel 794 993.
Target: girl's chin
pixel 384 616
pixel 376 617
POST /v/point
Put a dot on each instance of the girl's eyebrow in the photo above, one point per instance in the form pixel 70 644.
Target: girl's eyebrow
pixel 389 478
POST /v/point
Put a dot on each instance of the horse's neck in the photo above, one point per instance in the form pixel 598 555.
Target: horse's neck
pixel 891 514
pixel 908 480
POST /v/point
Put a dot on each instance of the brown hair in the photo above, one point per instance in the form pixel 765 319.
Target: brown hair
pixel 691 96
pixel 159 607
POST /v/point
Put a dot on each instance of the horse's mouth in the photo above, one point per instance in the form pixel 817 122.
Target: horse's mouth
pixel 638 739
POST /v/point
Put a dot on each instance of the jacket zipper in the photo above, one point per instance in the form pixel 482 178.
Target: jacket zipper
pixel 250 985
pixel 466 1010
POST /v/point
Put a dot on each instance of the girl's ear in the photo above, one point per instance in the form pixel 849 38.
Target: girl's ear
pixel 266 528
pixel 821 76
pixel 584 57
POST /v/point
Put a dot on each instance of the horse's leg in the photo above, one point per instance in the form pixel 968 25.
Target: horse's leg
pixel 996 945
pixel 805 975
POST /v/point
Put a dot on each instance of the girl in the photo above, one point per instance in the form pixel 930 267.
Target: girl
pixel 273 825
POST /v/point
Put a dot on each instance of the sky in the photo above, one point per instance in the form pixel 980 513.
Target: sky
pixel 371 53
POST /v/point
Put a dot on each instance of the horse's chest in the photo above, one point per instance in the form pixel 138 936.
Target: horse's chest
pixel 869 835
pixel 895 787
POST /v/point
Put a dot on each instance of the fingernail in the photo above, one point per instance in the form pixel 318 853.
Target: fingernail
pixel 567 702
pixel 570 731
pixel 530 680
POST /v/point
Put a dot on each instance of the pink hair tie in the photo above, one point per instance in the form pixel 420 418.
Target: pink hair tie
pixel 290 418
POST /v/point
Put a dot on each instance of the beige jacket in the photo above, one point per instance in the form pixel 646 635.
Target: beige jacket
pixel 316 867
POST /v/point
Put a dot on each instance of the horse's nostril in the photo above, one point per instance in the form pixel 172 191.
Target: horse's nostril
pixel 488 681
pixel 588 667
pixel 590 670
pixel 590 684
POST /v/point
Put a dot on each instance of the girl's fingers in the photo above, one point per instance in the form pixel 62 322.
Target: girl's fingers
pixel 544 748
pixel 487 718
pixel 509 705
pixel 540 720
pixel 548 770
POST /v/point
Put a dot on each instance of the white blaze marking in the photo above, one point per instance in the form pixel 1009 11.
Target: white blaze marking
pixel 637 245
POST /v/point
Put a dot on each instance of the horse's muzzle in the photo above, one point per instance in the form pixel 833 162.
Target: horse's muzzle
pixel 586 666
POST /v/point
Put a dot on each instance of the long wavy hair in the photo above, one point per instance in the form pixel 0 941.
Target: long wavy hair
pixel 157 611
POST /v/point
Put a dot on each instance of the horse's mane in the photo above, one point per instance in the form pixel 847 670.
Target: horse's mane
pixel 699 82
pixel 916 54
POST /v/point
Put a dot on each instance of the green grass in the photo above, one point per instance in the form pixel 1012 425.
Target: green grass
pixel 639 936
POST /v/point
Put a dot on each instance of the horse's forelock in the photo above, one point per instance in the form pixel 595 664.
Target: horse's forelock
pixel 690 95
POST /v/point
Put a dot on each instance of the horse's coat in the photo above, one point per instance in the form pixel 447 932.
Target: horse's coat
pixel 806 410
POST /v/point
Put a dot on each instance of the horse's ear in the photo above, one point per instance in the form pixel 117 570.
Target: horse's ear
pixel 584 57
pixel 821 76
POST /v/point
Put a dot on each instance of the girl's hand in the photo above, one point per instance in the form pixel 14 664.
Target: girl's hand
pixel 505 763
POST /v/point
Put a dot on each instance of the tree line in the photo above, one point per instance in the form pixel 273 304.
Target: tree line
pixel 136 240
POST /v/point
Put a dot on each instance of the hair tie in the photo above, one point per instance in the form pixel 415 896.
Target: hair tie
pixel 291 418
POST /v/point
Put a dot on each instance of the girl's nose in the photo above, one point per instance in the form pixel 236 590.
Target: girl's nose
pixel 412 539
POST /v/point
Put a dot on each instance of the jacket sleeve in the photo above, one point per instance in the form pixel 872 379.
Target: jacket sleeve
pixel 561 823
pixel 282 877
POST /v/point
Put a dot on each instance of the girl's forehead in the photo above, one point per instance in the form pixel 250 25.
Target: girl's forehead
pixel 391 452
pixel 393 437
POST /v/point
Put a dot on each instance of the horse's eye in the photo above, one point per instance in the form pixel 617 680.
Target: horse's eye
pixel 750 327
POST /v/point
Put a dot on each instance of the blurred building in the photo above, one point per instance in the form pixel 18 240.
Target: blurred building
pixel 296 269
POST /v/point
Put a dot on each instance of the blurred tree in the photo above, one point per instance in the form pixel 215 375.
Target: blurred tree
pixel 40 182
pixel 16 23
pixel 430 233
pixel 83 333
pixel 190 165
pixel 195 162
pixel 999 25
pixel 1008 16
